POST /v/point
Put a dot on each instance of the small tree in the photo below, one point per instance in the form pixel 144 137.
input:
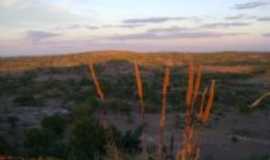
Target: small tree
pixel 55 124
pixel 87 139
pixel 48 140
pixel 37 142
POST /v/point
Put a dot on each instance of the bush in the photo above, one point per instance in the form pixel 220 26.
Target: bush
pixel 127 142
pixel 93 102
pixel 244 109
pixel 55 124
pixel 26 100
pixel 37 141
pixel 43 142
pixel 130 140
pixel 4 147
pixel 118 106
pixel 82 110
pixel 87 139
pixel 48 140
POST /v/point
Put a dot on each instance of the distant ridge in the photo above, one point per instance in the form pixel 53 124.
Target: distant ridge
pixel 155 58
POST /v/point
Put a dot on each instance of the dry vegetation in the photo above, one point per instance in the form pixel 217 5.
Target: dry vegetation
pixel 226 58
pixel 190 149
pixel 259 100
pixel 195 112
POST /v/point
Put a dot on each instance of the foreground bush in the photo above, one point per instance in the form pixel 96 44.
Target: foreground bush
pixel 87 140
pixel 82 139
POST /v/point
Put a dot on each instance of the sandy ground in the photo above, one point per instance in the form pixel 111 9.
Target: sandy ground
pixel 252 133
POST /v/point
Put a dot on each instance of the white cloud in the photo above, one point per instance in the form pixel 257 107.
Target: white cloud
pixel 18 4
pixel 8 3
pixel 251 5
pixel 35 13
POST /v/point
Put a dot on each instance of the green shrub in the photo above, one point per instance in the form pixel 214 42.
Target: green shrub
pixel 43 142
pixel 85 82
pixel 87 139
pixel 37 141
pixel 118 106
pixel 27 100
pixel 47 140
pixel 128 141
pixel 244 109
pixel 93 102
pixel 82 110
pixel 55 123
pixel 27 78
pixel 4 146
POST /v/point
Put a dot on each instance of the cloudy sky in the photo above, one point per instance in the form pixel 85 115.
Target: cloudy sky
pixel 35 27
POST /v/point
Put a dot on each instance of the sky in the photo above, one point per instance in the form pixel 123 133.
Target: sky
pixel 40 27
